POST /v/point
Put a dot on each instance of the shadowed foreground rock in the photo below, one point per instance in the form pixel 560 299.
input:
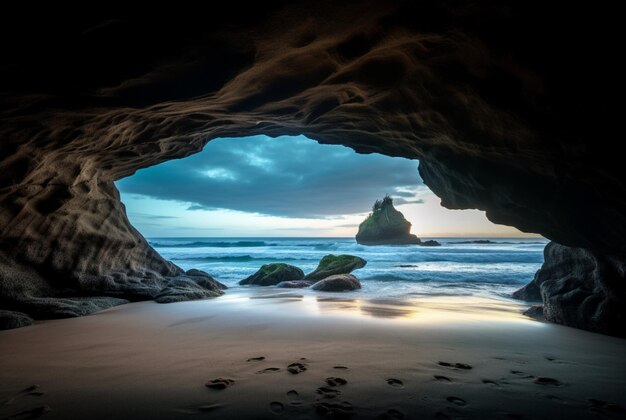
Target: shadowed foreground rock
pixel 194 285
pixel 580 287
pixel 338 283
pixel 336 264
pixel 10 319
pixel 512 121
pixel 272 274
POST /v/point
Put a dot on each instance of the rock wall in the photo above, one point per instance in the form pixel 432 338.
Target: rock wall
pixel 582 288
pixel 505 106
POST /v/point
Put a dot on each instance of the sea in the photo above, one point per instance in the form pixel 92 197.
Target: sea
pixel 481 267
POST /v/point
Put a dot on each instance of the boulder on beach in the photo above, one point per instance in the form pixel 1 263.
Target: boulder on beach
pixel 295 284
pixel 336 264
pixel 272 274
pixel 338 283
pixel 386 226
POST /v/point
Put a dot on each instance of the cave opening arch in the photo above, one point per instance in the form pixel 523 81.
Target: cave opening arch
pixel 487 109
pixel 304 190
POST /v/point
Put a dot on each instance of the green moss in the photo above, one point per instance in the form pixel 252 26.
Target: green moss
pixel 336 264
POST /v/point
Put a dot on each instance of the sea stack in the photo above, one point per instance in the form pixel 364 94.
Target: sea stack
pixel 386 226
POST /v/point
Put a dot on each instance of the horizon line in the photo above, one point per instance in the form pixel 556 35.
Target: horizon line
pixel 352 237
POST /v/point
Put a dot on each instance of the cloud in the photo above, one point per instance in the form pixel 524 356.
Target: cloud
pixel 152 216
pixel 398 201
pixel 285 176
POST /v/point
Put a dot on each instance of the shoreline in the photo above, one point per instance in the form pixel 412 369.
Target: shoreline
pixel 146 360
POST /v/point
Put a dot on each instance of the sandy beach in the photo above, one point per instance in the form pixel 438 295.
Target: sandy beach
pixel 433 357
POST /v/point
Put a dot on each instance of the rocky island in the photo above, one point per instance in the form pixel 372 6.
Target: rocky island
pixel 387 226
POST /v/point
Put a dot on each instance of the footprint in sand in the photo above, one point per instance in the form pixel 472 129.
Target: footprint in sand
pixel 209 407
pixel 296 368
pixel 463 366
pixel 542 380
pixel 457 401
pixel 293 394
pixel 396 383
pixel 521 374
pixel 391 414
pixel 490 382
pixel 335 410
pixel 256 359
pixel 332 381
pixel 326 392
pixel 603 405
pixel 340 367
pixel 32 413
pixel 32 391
pixel 220 383
pixel 277 407
pixel 442 378
pixel 269 370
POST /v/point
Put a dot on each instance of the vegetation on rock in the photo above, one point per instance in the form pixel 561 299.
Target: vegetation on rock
pixel 336 264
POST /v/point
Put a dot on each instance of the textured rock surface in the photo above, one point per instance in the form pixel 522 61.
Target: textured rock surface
pixel 10 319
pixel 385 226
pixel 193 285
pixel 338 283
pixel 296 284
pixel 504 119
pixel 272 274
pixel 335 264
pixel 582 288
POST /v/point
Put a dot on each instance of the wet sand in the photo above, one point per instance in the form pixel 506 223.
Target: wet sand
pixel 291 355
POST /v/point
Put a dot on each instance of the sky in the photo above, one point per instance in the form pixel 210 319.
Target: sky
pixel 286 186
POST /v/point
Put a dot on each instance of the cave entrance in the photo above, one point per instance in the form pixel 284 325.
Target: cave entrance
pixel 248 201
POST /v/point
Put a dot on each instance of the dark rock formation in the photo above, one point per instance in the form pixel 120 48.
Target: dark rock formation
pixel 295 284
pixel 504 119
pixel 10 319
pixel 430 242
pixel 272 274
pixel 535 312
pixel 580 287
pixel 65 307
pixel 193 285
pixel 336 264
pixel 337 283
pixel 385 226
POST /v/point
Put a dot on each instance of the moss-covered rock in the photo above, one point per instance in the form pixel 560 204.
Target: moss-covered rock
pixel 385 226
pixel 272 274
pixel 336 264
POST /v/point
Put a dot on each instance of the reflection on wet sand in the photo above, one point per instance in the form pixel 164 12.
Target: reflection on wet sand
pixel 426 309
pixel 440 308
pixel 283 296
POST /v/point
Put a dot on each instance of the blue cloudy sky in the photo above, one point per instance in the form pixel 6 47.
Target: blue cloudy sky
pixel 286 186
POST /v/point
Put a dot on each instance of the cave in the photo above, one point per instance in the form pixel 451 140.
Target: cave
pixel 506 107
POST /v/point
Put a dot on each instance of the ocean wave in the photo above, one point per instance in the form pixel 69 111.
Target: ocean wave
pixel 203 244
pixel 461 280
pixel 235 258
